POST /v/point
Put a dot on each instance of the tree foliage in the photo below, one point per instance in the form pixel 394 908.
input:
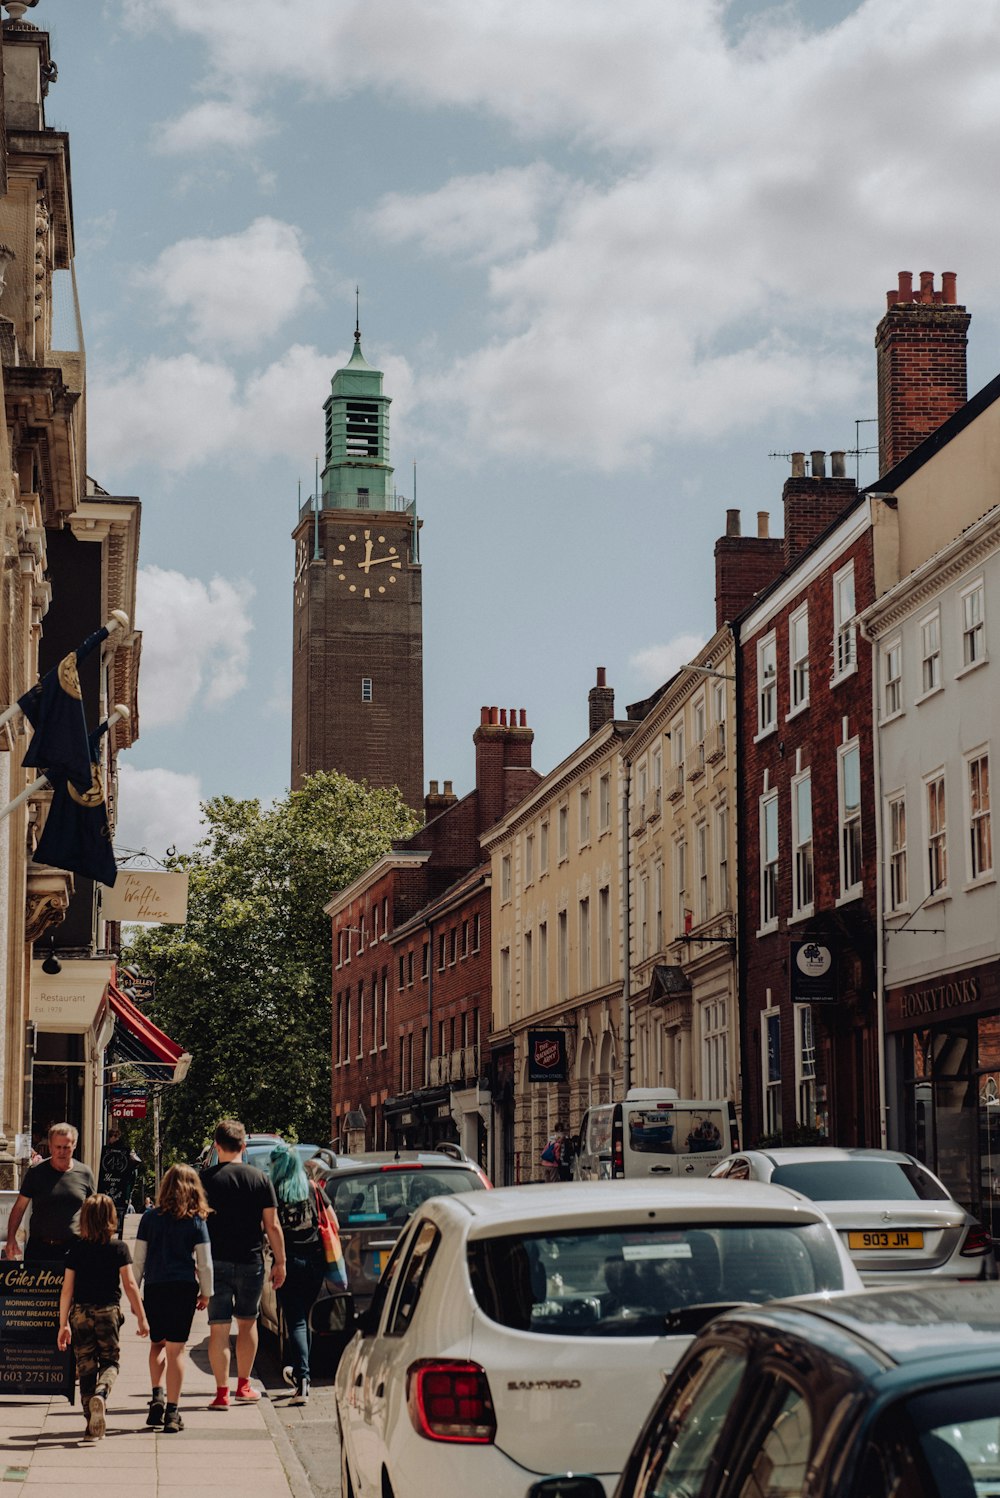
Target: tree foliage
pixel 245 984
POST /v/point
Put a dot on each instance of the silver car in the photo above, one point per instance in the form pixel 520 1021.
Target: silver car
pixel 896 1219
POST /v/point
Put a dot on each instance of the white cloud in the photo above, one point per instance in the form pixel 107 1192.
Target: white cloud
pixel 195 643
pixel 485 217
pixel 655 664
pixel 157 810
pixel 174 412
pixel 237 290
pixel 215 124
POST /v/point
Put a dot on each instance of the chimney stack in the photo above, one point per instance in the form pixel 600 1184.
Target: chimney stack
pixel 813 503
pixel 744 565
pixel 435 802
pixel 920 346
pixel 601 700
pixel 503 755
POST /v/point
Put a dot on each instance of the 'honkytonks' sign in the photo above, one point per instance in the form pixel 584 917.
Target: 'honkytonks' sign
pixel 967 991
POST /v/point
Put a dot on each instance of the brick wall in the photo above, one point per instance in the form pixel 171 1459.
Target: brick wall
pixel 921 352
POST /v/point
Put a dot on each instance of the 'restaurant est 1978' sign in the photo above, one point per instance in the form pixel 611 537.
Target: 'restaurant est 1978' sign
pixel 546 1055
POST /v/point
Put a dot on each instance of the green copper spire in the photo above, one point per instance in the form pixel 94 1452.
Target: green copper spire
pixel 357 474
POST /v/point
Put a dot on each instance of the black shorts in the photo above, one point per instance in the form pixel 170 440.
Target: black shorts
pixel 170 1310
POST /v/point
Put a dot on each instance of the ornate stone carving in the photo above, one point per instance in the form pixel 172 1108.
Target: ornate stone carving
pixel 46 901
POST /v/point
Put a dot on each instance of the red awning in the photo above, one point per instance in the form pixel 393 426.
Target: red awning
pixel 152 1045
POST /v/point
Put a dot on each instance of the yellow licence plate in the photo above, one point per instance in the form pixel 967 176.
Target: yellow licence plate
pixel 891 1239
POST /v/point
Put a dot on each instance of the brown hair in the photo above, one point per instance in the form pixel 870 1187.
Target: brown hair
pixel 230 1134
pixel 98 1219
pixel 182 1194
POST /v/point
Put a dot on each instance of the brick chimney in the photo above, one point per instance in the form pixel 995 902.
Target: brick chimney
pixel 435 802
pixel 920 345
pixel 813 501
pixel 744 566
pixel 503 761
pixel 601 700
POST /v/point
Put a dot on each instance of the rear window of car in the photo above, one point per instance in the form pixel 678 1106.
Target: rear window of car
pixel 366 1198
pixel 625 1282
pixel 860 1181
pixel 675 1131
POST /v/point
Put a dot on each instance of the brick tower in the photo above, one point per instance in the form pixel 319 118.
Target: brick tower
pixel 357 658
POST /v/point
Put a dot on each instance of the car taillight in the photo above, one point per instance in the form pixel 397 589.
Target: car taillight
pixel 449 1400
pixel 977 1242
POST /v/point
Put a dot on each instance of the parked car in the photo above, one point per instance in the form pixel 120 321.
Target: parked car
pixel 210 1155
pixel 897 1220
pixel 519 1329
pixel 374 1196
pixel 893 1392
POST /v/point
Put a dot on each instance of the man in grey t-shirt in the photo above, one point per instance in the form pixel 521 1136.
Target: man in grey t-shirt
pixel 55 1190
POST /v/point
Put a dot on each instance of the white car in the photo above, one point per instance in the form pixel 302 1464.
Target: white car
pixel 526 1330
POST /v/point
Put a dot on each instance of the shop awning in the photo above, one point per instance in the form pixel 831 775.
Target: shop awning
pixel 140 1043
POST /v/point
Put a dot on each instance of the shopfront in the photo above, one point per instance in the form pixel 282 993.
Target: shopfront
pixel 943 1046
pixel 71 1023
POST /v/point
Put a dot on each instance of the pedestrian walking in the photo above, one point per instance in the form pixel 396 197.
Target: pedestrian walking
pixel 173 1263
pixel 55 1190
pixel 244 1208
pixel 98 1269
pixel 300 1202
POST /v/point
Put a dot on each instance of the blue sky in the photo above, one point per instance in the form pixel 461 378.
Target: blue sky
pixel 610 258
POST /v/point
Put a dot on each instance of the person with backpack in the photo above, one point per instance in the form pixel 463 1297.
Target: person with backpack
pixel 300 1202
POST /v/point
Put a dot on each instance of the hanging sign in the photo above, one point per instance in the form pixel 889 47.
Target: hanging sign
pixel 30 1362
pixel 69 1001
pixel 145 898
pixel 813 973
pixel 547 1055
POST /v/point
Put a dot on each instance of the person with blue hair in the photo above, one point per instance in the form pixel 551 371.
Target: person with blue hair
pixel 299 1204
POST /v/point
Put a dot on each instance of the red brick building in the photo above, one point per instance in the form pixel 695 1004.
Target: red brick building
pixel 411 955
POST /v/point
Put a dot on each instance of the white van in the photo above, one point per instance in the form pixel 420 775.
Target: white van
pixel 654 1132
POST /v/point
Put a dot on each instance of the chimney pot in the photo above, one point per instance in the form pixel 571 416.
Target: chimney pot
pixel 524 717
pixel 494 715
pixel 817 463
pixel 949 287
pixel 448 788
pixel 891 298
pixel 602 676
pixel 484 715
pixel 838 468
pixel 732 522
pixel 798 465
pixel 503 717
pixel 433 788
pixel 927 286
pixel 763 525
pixel 906 286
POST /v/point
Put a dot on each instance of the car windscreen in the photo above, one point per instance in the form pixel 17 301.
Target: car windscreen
pixel 368 1198
pixel 625 1281
pixel 860 1180
pixel 666 1130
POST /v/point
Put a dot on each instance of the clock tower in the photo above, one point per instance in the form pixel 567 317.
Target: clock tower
pixel 357 662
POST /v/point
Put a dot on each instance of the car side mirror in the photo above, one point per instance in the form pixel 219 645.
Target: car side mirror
pixel 569 1486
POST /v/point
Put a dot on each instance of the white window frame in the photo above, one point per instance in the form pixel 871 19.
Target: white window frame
pixel 767 684
pixel 583 915
pixel 798 660
pixel 972 605
pixel 658 905
pixel 562 955
pixel 505 988
pixel 543 846
pixel 769 860
pixel 505 878
pixel 562 823
pixel 584 809
pixel 936 832
pixel 980 821
pixel 715 1047
pixel 604 932
pixel 931 679
pixel 701 872
pixel 366 689
pixel 805 1066
pixel 898 873
pixel 845 630
pixel 680 869
pixel 770 1084
pixel 527 976
pixel 529 857
pixel 803 868
pixel 543 964
pixel 604 801
pixel 892 679
pixel 849 824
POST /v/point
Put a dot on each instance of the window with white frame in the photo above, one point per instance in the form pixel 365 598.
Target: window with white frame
pixel 527 981
pixel 769 859
pixel 682 911
pixel 543 847
pixel 701 855
pixel 899 889
pixel 505 1014
pixel 562 955
pixel 366 689
pixel 715 1048
pixel 719 715
pixel 529 857
pixel 604 801
pixel 584 814
pixel 980 828
pixel 543 963
pixel 563 832
pixel 385 1008
pixel 770 1056
pixel 892 678
pixel 643 916
pixel 767 684
pixel 677 744
pixel 722 854
pixel 805 1067
pixel 798 659
pixel 699 731
pixel 845 650
pixel 802 842
pixel 849 777
pixel 658 906
pixel 657 770
pixel 937 833
pixel 604 931
pixel 973 624
pixel 505 877
pixel 930 653
pixel 374 1045
pixel 584 945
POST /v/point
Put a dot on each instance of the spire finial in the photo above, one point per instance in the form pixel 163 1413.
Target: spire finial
pixel 357 314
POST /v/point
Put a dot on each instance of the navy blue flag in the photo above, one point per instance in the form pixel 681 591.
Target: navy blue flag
pixel 54 708
pixel 76 835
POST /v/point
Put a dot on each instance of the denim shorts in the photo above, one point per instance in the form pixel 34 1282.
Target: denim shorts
pixel 237 1291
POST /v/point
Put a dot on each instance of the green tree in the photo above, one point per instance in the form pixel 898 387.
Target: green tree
pixel 245 984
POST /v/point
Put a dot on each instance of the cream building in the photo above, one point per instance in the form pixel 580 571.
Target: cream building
pixel 556 915
pixel 680 768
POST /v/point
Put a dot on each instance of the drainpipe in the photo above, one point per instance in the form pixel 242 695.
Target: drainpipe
pixel 626 932
pixel 880 940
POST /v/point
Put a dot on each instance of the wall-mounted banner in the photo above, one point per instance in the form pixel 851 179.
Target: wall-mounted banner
pixel 152 899
pixel 546 1055
pixel 813 973
pixel 30 1362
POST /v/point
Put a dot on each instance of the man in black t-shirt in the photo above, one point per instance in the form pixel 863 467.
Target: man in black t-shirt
pixel 244 1208
pixel 55 1190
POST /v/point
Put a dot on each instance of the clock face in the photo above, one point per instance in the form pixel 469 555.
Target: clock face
pixel 368 565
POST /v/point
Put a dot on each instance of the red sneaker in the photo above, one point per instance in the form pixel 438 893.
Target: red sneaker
pixel 221 1400
pixel 246 1393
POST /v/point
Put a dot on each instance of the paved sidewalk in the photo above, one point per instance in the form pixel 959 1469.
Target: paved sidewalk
pixel 243 1453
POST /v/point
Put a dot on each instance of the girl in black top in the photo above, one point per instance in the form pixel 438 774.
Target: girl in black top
pixel 98 1268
